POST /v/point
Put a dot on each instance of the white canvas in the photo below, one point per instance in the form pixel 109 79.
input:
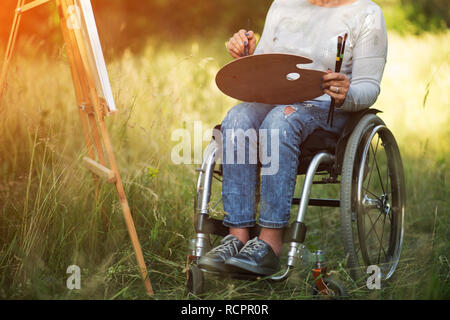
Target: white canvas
pixel 89 28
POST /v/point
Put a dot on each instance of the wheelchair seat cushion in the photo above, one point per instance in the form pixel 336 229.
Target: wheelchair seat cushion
pixel 319 140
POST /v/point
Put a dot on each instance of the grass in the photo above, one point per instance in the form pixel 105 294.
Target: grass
pixel 50 220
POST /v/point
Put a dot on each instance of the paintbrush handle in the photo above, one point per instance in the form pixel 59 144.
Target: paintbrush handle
pixel 331 113
pixel 337 68
pixel 341 59
pixel 246 45
pixel 338 54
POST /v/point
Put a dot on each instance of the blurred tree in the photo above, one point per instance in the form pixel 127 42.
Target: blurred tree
pixel 129 23
pixel 428 15
pixel 40 23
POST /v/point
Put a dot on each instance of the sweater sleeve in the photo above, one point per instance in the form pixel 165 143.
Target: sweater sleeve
pixel 369 60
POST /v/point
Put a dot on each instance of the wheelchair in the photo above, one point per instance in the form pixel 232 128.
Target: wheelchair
pixel 365 161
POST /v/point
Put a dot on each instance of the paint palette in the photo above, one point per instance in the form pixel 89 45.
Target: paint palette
pixel 273 78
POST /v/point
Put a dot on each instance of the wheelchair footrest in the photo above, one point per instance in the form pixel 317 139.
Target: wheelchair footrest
pixel 234 275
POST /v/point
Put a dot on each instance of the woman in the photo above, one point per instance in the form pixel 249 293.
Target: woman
pixel 308 28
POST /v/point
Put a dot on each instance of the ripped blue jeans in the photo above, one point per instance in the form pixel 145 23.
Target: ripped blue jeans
pixel 280 130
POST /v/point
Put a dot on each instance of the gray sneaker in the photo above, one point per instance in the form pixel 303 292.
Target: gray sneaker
pixel 214 260
pixel 257 257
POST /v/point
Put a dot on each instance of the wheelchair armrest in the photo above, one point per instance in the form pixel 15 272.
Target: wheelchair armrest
pixel 354 120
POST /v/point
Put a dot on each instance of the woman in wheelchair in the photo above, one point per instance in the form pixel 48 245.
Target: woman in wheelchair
pixel 308 28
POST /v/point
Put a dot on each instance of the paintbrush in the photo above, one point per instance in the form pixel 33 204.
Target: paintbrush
pixel 341 60
pixel 336 68
pixel 338 54
pixel 246 45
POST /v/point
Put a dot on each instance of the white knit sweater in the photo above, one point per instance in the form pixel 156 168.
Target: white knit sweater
pixel 299 27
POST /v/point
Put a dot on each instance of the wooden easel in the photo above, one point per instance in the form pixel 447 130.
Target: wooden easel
pixel 92 109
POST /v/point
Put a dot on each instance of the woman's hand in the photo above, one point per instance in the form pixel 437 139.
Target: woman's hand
pixel 236 44
pixel 336 85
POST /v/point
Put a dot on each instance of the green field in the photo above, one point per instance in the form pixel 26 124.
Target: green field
pixel 49 218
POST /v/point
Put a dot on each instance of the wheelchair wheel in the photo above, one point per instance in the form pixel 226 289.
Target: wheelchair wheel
pixel 195 280
pixel 372 199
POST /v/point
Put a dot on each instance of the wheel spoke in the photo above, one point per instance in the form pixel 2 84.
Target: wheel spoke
pixel 376 234
pixel 381 241
pixel 378 168
pixel 374 231
pixel 373 225
pixel 373 194
pixel 372 166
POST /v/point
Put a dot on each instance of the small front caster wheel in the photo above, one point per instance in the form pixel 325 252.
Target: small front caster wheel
pixel 334 289
pixel 195 280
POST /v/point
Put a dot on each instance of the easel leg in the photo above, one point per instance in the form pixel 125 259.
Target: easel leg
pixel 91 153
pixel 102 161
pixel 10 47
pixel 125 208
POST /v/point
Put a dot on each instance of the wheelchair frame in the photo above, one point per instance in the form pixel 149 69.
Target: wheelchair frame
pixel 295 234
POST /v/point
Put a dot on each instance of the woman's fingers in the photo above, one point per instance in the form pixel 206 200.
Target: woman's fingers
pixel 334 76
pixel 233 46
pixel 250 35
pixel 240 41
pixel 339 98
pixel 332 85
pixel 233 54
pixel 332 82
pixel 251 41
pixel 336 96
pixel 237 43
pixel 243 38
pixel 336 85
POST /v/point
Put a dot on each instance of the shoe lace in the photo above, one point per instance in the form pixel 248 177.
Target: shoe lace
pixel 229 245
pixel 252 246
